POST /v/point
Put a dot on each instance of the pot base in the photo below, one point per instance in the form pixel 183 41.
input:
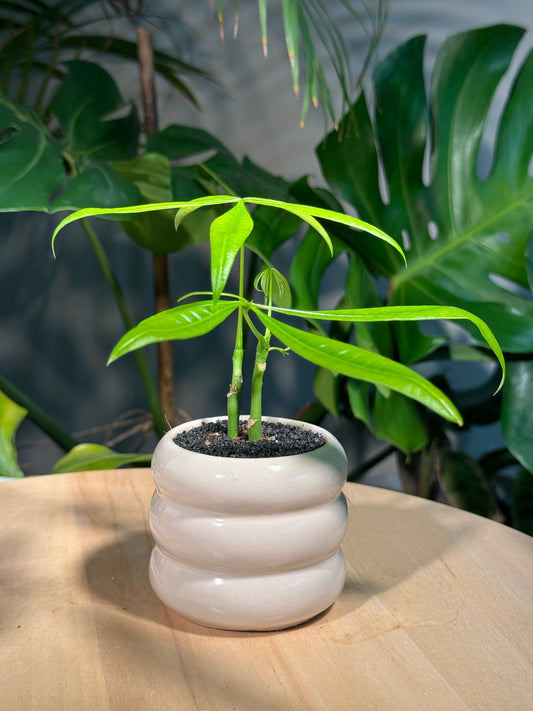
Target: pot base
pixel 254 603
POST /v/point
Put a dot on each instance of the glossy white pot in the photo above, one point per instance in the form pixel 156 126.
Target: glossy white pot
pixel 248 544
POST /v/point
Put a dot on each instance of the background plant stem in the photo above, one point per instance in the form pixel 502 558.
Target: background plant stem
pixel 160 261
pixel 38 416
pixel 141 361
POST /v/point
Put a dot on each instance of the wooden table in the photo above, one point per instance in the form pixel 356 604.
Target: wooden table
pixel 436 613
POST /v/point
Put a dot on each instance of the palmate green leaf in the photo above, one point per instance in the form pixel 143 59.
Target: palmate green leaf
pixel 209 200
pixel 359 363
pixel 467 234
pixel 228 233
pixel 11 415
pixel 91 457
pixel 272 283
pixel 181 322
pixel 404 313
pixel 307 213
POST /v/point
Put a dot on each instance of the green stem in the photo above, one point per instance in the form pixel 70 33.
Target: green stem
pixel 38 416
pixel 140 358
pixel 254 425
pixel 234 394
pixel 255 431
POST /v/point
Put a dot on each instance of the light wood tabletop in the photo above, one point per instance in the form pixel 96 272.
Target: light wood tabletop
pixel 437 612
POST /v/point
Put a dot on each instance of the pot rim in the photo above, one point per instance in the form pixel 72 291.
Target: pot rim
pixel 191 424
pixel 280 483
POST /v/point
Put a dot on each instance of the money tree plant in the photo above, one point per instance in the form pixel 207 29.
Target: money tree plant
pixel 230 231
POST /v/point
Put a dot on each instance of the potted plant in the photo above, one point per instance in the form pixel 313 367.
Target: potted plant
pixel 245 541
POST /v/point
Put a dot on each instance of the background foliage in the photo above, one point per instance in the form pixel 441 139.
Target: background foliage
pixel 442 219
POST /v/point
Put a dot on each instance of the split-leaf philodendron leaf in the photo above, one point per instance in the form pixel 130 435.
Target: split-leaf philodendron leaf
pixel 466 234
pixel 465 209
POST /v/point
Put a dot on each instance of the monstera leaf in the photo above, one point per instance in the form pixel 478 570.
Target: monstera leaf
pixel 455 186
pixel 465 233
pixel 50 170
pixel 31 167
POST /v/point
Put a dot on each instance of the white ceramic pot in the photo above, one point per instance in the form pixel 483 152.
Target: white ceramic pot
pixel 244 543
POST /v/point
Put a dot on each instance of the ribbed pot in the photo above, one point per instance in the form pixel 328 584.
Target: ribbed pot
pixel 248 544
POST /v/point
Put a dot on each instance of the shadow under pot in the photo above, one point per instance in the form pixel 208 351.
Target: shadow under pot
pixel 248 543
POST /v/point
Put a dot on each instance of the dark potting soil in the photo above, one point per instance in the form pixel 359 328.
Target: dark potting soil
pixel 278 440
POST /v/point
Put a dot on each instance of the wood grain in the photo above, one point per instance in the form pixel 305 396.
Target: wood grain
pixel 437 612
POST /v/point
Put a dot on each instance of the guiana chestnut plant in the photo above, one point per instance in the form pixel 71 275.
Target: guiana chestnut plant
pixel 266 319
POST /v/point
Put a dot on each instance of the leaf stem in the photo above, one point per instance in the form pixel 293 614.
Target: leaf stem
pixel 254 424
pixel 141 361
pixel 255 430
pixel 39 416
pixel 234 393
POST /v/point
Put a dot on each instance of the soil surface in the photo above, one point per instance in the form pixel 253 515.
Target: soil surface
pixel 278 440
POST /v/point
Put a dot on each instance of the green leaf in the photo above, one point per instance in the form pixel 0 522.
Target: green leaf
pixel 262 4
pixel 274 285
pixel 292 39
pixel 11 415
pixel 272 228
pixel 180 142
pixel 517 413
pixel 151 174
pixel 308 213
pixel 181 322
pixel 398 420
pixel 326 388
pixel 467 235
pixel 529 262
pixel 30 159
pixel 97 184
pixel 307 268
pixel 463 482
pixel 90 457
pixel 359 363
pixel 359 400
pixel 522 504
pixel 86 96
pixel 228 233
pixel 404 313
pixel 113 213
